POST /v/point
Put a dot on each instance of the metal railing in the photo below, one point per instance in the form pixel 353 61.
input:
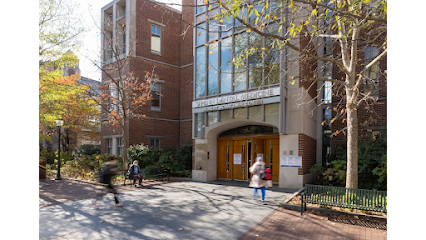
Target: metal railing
pixel 370 200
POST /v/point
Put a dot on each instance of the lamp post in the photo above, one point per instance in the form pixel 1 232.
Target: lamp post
pixel 59 123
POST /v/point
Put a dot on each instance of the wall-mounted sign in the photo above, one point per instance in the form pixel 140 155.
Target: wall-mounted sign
pixel 224 101
pixel 291 161
pixel 237 158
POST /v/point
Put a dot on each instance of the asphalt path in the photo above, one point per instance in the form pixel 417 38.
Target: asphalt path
pixel 178 210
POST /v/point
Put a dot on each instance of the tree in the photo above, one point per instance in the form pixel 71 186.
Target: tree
pixel 59 32
pixel 344 24
pixel 122 94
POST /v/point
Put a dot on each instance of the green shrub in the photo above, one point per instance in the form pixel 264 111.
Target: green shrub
pixel 372 165
pixel 87 149
pixel 178 160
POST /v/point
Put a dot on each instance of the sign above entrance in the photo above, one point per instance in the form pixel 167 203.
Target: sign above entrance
pixel 238 98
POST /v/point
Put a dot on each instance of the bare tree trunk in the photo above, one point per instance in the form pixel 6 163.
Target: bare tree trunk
pixel 352 147
pixel 125 132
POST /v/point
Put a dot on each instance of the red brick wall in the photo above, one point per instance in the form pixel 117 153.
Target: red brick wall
pixel 307 66
pixel 176 49
pixel 307 150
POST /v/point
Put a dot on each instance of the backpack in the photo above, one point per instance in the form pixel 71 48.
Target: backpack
pixel 266 175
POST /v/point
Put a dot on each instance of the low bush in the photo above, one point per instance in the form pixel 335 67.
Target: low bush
pixel 372 165
pixel 87 149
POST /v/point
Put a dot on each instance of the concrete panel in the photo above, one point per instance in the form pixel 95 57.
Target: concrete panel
pixel 199 175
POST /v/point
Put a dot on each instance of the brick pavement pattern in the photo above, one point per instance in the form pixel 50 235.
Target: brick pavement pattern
pixel 288 224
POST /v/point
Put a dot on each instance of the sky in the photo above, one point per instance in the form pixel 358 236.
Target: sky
pixel 91 10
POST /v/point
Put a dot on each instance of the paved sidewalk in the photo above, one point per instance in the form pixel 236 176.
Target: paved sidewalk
pixel 289 224
pixel 180 210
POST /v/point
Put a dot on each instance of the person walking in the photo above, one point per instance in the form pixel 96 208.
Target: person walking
pixel 256 182
pixel 108 170
pixel 135 173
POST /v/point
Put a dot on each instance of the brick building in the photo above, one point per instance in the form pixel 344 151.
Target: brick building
pixel 149 33
pixel 231 115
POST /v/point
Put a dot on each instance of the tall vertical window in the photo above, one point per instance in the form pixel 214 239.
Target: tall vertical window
pixel 199 125
pixel 255 61
pixel 155 38
pixel 111 97
pixel 272 58
pixel 213 30
pixel 213 69
pixel 156 96
pixel 226 65
pixel 372 74
pixel 326 135
pixel 240 73
pixel 119 146
pixel 211 117
pixel 200 72
pixel 201 34
pixel 109 145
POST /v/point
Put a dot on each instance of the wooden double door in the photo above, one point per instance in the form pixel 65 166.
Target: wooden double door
pixel 236 155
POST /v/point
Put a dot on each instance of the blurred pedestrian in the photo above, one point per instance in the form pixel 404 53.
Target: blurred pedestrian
pixel 256 181
pixel 108 170
pixel 135 173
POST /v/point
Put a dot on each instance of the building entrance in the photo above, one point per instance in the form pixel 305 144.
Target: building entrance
pixel 235 155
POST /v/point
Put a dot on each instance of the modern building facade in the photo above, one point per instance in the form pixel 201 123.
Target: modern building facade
pixel 231 115
pixel 242 113
pixel 253 110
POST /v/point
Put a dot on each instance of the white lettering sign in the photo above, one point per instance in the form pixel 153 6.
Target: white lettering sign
pixel 291 162
pixel 237 158
pixel 236 98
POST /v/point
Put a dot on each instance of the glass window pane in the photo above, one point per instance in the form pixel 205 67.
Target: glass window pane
pixel 213 30
pixel 155 43
pixel 152 29
pixel 272 58
pixel 255 113
pixel 226 66
pixel 199 124
pixel 158 31
pixel 213 69
pixel 201 34
pixel 201 8
pixel 255 61
pixel 271 113
pixel 212 117
pixel 225 114
pixel 240 113
pixel 240 82
pixel 226 28
pixel 327 92
pixel 200 72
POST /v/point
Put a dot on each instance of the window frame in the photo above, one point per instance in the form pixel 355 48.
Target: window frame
pixel 157 35
pixel 109 146
pixel 159 84
pixel 120 145
pixel 373 53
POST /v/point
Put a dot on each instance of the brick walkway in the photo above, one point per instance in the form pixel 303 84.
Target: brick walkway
pixel 288 224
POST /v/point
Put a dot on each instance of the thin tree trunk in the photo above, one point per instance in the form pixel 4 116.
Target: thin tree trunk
pixel 352 147
pixel 125 161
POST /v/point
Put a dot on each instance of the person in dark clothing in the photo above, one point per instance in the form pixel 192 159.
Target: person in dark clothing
pixel 135 173
pixel 107 171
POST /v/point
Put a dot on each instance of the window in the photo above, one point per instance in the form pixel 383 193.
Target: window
pixel 154 143
pixel 200 72
pixel 240 73
pixel 199 125
pixel 155 38
pixel 111 97
pixel 109 145
pixel 212 117
pixel 119 146
pixel 201 34
pixel 200 6
pixel 156 96
pixel 213 69
pixel 372 81
pixel 226 66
